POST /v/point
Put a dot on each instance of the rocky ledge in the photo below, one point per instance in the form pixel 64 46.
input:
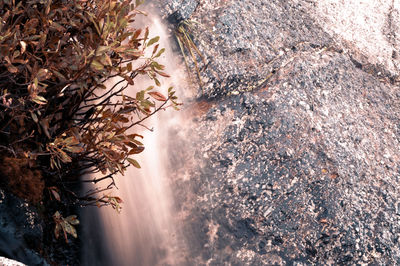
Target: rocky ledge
pixel 298 130
pixel 243 42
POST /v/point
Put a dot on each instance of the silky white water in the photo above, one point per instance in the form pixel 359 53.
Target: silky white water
pixel 144 233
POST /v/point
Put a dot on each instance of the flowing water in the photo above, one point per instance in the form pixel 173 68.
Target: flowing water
pixel 144 232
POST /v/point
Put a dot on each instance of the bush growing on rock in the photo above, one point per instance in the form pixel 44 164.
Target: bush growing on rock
pixel 57 118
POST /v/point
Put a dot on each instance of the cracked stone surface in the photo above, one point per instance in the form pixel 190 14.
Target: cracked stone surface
pixel 296 152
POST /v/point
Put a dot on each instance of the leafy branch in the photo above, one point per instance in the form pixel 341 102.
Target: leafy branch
pixel 56 113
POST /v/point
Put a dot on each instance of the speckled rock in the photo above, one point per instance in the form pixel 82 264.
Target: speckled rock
pixel 304 171
pixel 20 231
pixel 242 40
pixel 304 168
pixel 369 30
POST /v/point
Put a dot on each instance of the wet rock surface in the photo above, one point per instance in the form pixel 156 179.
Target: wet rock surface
pixel 20 230
pixel 242 41
pixel 302 170
pixel 298 172
pixel 27 235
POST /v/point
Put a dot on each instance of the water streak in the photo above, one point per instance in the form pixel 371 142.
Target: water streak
pixel 144 233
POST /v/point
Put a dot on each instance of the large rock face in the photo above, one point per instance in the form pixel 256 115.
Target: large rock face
pixel 368 29
pixel 242 40
pixel 304 168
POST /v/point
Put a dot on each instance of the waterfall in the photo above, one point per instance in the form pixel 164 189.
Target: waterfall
pixel 144 232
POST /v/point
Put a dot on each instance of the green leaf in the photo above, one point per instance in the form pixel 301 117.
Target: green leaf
pixel 39 99
pixel 64 157
pixel 134 52
pixel 153 41
pixel 133 162
pixel 140 95
pixel 102 49
pixel 72 219
pixel 36 83
pixel 97 65
pixel 157 82
pixel 160 53
pixel 163 74
pixel 149 88
pixel 70 229
pixel 120 169
pixel 157 66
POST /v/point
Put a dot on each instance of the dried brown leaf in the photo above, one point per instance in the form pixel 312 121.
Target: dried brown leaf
pixel 157 96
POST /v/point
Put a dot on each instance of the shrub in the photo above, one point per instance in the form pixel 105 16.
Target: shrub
pixel 55 57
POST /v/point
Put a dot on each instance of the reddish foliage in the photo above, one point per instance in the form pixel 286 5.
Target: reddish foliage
pixel 55 56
